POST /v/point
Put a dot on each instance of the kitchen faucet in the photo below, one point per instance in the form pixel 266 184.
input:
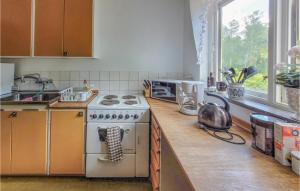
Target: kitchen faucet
pixel 38 79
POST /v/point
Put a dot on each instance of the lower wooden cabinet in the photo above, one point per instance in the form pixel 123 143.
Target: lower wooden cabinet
pixel 5 142
pixel 155 155
pixel 24 142
pixel 67 153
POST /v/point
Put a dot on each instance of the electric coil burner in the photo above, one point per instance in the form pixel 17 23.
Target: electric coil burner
pixel 128 97
pixel 110 97
pixel 110 102
pixel 131 114
pixel 131 102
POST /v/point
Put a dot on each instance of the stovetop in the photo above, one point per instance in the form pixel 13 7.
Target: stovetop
pixel 119 102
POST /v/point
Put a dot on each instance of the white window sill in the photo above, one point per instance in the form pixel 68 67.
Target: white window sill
pixel 256 106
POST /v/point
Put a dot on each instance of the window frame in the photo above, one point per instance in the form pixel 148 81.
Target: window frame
pixel 278 43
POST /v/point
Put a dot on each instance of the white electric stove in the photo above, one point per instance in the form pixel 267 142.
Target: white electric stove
pixel 131 114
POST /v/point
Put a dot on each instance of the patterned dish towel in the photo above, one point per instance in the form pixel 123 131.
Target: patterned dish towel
pixel 113 140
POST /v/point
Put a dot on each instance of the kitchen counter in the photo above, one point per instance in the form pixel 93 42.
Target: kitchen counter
pixel 73 105
pixel 211 164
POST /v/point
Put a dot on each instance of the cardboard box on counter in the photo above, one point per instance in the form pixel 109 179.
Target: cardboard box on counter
pixel 287 139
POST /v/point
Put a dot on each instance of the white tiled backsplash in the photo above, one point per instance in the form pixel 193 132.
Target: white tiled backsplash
pixel 109 81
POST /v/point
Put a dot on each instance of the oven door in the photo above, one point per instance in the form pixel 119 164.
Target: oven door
pixel 97 145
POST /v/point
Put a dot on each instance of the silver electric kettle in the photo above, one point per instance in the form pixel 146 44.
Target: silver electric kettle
pixel 215 117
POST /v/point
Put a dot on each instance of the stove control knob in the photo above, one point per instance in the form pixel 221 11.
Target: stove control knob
pixel 114 116
pixel 94 116
pixel 101 116
pixel 135 116
pixel 107 116
pixel 127 116
pixel 120 116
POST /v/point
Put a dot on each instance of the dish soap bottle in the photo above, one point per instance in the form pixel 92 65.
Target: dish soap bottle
pixel 85 85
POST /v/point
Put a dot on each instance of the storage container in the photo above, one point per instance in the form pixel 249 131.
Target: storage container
pixel 296 161
pixel 263 132
pixel 287 139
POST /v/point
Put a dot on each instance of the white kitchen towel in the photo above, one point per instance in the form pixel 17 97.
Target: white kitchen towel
pixel 113 140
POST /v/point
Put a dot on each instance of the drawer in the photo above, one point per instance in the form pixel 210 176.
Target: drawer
pixel 97 167
pixel 155 159
pixel 155 178
pixel 155 125
pixel 156 134
pixel 155 145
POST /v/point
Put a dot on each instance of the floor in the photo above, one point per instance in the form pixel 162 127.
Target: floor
pixel 71 184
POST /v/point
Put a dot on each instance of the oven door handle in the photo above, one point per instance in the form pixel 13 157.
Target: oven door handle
pixel 103 159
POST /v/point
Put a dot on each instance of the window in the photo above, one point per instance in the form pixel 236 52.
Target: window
pixel 290 38
pixel 257 33
pixel 244 27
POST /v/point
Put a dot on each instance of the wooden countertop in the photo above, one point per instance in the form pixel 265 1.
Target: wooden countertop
pixel 73 105
pixel 211 164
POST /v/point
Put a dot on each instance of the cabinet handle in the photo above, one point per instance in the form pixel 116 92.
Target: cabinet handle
pixel 65 53
pixel 138 140
pixel 80 114
pixel 13 114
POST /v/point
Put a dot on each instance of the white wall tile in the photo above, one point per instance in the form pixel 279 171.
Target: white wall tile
pixel 114 76
pixel 104 75
pixel 74 83
pixel 54 75
pixel 179 76
pixel 114 92
pixel 104 85
pixel 95 85
pixel 124 75
pixel 64 84
pixel 133 85
pixel 143 76
pixel 103 92
pixel 64 76
pixel 123 85
pixel 84 75
pixel 74 76
pixel 94 76
pixel 133 76
pixel 45 74
pixel 153 75
pixel 162 75
pixel 172 75
pixel 114 85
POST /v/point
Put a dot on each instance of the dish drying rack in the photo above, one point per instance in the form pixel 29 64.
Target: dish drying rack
pixel 75 94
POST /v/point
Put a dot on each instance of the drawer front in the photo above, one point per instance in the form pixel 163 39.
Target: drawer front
pixel 155 147
pixel 155 125
pixel 155 159
pixel 156 137
pixel 97 166
pixel 154 178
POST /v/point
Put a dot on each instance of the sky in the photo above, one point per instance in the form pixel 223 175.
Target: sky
pixel 239 9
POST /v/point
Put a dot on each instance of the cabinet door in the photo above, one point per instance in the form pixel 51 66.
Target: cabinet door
pixel 67 142
pixel 15 27
pixel 29 143
pixel 49 22
pixel 78 28
pixel 5 143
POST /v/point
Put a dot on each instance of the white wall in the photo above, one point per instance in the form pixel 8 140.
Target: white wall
pixel 131 35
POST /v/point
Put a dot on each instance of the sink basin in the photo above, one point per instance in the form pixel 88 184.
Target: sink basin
pixel 31 97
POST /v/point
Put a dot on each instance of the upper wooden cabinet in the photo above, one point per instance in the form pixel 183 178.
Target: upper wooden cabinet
pixel 78 28
pixel 49 24
pixel 63 28
pixel 16 27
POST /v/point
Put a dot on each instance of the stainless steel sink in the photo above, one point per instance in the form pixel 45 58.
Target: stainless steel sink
pixel 31 97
